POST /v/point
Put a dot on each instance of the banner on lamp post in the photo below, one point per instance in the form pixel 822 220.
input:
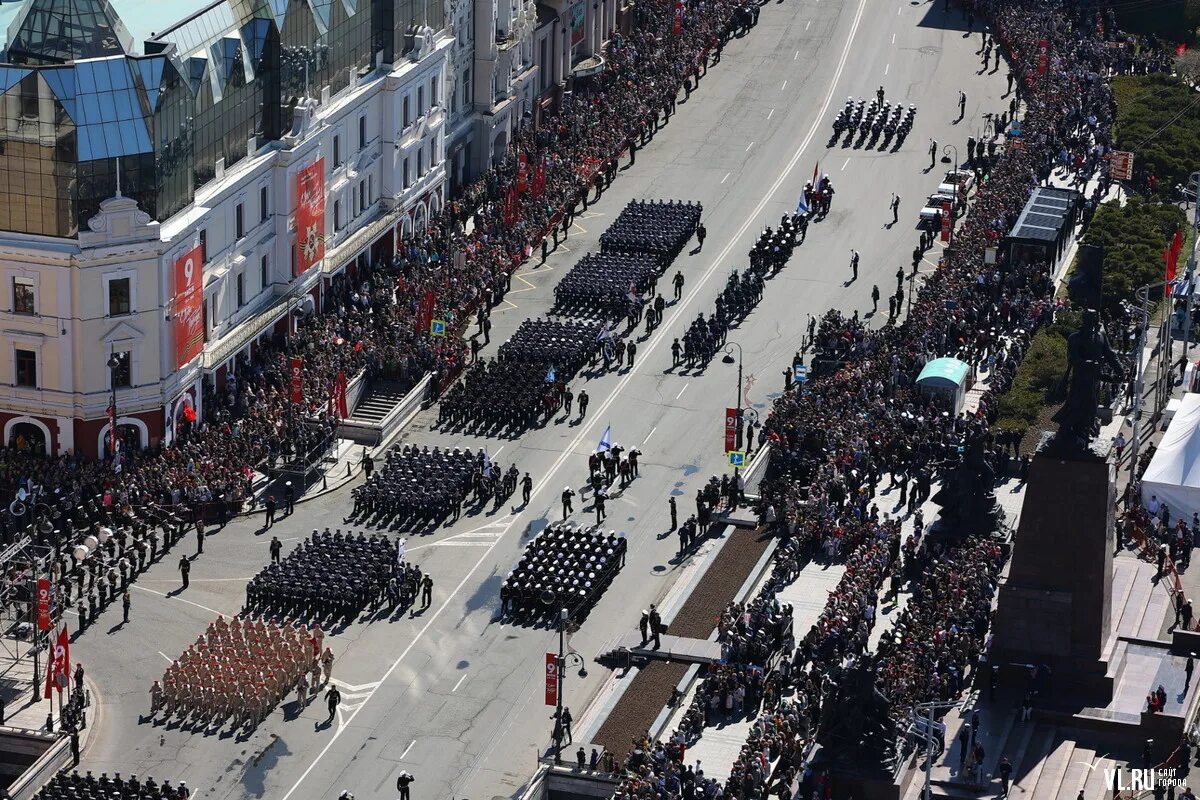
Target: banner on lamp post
pixel 1043 62
pixel 297 380
pixel 947 211
pixel 731 428
pixel 551 679
pixel 43 604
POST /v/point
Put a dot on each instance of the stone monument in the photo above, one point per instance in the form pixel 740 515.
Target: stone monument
pixel 1055 605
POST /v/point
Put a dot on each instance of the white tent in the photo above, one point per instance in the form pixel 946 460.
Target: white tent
pixel 1174 473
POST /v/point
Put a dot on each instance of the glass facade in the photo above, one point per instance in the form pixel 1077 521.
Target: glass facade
pixel 73 130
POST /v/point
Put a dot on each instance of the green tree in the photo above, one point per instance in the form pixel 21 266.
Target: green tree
pixel 1158 120
pixel 1134 237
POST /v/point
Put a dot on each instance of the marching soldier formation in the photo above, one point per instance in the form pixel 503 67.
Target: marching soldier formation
pixel 527 381
pixel 330 577
pixel 73 786
pixel 237 671
pixel 416 487
pixel 604 285
pixel 564 567
pixel 656 227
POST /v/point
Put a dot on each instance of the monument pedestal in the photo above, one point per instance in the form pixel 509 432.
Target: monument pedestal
pixel 1055 606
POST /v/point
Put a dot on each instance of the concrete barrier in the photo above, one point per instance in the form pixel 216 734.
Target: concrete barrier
pixel 31 758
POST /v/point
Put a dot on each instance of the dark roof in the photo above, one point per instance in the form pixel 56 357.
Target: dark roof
pixel 1045 215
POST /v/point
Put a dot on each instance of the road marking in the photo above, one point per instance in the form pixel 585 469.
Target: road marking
pixel 455 689
pixel 847 162
pixel 648 435
pixel 496 454
pixel 681 391
pixel 410 747
pixel 727 174
pixel 749 146
pixel 167 657
pixel 458 544
pixel 180 599
pixel 797 56
pixel 350 688
pixel 893 38
pixel 807 25
pixel 587 430
pixel 781 88
pixel 770 113
pixel 887 68
pixel 898 10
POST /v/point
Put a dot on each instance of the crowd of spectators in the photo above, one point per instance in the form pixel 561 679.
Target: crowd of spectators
pixel 860 420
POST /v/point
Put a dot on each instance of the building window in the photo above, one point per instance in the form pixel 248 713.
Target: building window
pixel 433 92
pixel 362 195
pixel 119 297
pixel 204 245
pixel 263 206
pixel 23 298
pixel 407 112
pixel 468 89
pixel 241 289
pixel 213 310
pixel 420 100
pixel 264 268
pixel 239 221
pixel 26 361
pixel 337 151
pixel 122 374
pixel 371 188
pixel 407 182
pixel 420 162
pixel 432 152
pixel 337 215
pixel 362 132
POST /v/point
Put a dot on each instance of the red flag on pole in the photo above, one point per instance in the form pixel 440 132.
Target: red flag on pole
pixel 1181 48
pixel 62 660
pixel 522 173
pixel 49 673
pixel 1171 255
pixel 339 395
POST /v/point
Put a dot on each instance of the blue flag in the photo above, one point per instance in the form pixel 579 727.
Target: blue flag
pixel 802 206
pixel 551 376
pixel 605 440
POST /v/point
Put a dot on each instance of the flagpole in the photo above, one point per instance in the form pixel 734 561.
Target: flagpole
pixel 1194 178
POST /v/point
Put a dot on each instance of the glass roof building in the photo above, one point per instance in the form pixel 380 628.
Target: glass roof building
pixel 86 108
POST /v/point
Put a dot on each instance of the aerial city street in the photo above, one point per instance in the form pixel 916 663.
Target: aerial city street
pixel 664 400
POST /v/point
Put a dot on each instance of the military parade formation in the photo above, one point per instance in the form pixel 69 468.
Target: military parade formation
pixel 330 577
pixel 564 567
pixel 417 487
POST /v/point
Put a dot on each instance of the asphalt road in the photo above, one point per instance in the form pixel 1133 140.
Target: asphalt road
pixel 451 694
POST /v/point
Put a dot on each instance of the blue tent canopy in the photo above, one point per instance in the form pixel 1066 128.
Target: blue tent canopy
pixel 944 373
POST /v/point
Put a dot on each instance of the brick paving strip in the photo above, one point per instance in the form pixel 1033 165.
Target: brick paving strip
pixel 650 689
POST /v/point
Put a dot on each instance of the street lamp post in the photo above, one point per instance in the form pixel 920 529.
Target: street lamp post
pixel 728 359
pixel 560 663
pixel 113 365
pixel 946 154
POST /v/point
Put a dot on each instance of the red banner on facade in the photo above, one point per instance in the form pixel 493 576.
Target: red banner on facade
pixel 187 307
pixel 310 215
pixel 551 679
pixel 297 380
pixel 522 173
pixel 43 604
pixel 946 221
pixel 1043 62
pixel 339 396
pixel 731 427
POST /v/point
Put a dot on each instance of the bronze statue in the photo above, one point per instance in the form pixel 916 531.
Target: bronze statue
pixel 1088 356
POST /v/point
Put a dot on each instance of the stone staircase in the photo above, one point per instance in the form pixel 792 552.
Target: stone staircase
pixel 380 411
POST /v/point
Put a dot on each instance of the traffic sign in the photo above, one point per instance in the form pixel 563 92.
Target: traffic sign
pixel 799 373
pixel 1121 165
pixel 737 458
pixel 437 327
